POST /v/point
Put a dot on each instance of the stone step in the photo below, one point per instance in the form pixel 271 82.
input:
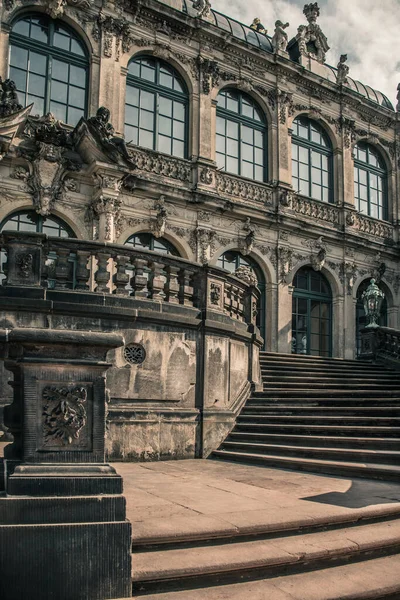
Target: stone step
pixel 335 367
pixel 288 376
pixel 284 409
pixel 372 579
pixel 326 453
pixel 336 430
pixel 382 443
pixel 344 469
pixel 322 401
pixel 320 420
pixel 313 383
pixel 193 566
pixel 298 392
pixel 280 356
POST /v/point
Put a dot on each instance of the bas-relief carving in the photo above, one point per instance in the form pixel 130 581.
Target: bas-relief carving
pixel 64 417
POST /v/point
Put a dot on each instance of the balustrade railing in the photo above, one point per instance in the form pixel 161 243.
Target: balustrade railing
pixel 64 264
pixel 381 343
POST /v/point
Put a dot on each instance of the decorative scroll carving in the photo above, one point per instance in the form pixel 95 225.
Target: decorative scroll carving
pixel 243 189
pixel 207 176
pixel 247 275
pixel 64 415
pixel 315 209
pixel 152 162
pixel 371 226
pixel 215 293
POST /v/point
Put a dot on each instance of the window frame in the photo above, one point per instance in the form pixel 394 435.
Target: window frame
pixel 380 172
pixel 243 120
pixel 51 53
pixel 158 90
pixel 311 146
pixel 153 238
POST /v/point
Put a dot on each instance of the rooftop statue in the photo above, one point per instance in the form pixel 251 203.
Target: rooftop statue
pixel 203 8
pixel 311 40
pixel 258 26
pixel 280 38
pixel 103 130
pixel 342 70
pixel 398 98
pixel 8 98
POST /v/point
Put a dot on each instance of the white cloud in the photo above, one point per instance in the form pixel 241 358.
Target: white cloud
pixel 365 30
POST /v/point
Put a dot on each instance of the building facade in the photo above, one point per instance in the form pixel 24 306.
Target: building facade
pixel 171 128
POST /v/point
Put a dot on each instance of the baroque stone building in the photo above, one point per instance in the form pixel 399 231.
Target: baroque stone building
pixel 172 129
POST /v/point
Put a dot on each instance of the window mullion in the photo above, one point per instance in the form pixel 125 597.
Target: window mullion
pixel 156 121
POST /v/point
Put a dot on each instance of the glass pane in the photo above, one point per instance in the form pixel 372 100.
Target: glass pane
pixel 165 126
pixel 247 169
pixel 132 95
pixel 61 41
pixel 164 144
pixel 146 139
pixel 77 76
pixel 37 63
pixel 131 135
pixel 77 48
pixel 232 165
pixel 178 148
pixel 19 57
pixel 146 120
pixel 165 106
pixel 36 84
pixel 39 32
pixel 22 27
pixel 59 91
pixel 247 152
pixel 60 70
pixel 132 115
pixel 59 111
pixel 38 105
pixel 179 130
pixel 232 102
pixel 76 96
pixel 19 77
pixel 166 80
pixel 232 129
pixel 247 134
pixel 179 111
pixel 74 114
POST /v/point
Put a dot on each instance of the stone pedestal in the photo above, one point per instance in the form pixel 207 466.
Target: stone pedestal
pixel 62 518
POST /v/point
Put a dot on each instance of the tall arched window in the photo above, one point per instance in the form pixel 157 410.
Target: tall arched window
pixel 241 136
pixel 30 222
pixel 156 108
pixel 311 314
pixel 232 260
pixel 147 241
pixel 311 160
pixel 370 182
pixel 50 67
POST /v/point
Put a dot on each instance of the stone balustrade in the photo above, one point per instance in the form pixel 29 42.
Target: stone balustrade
pixel 316 210
pixel 381 343
pixel 65 264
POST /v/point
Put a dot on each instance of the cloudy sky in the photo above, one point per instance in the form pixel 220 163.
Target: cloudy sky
pixel 366 30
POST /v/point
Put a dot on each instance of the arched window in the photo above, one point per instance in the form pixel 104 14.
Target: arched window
pixel 156 108
pixel 50 67
pixel 241 136
pixel 147 241
pixel 311 160
pixel 30 222
pixel 312 314
pixel 232 260
pixel 370 182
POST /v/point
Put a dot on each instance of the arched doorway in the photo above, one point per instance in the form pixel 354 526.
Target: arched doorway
pixel 361 319
pixel 311 314
pixel 232 260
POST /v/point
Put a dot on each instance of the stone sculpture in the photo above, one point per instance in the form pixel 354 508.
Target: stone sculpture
pixel 342 70
pixel 103 130
pixel 280 37
pixel 258 26
pixel 9 99
pixel 310 38
pixel 203 8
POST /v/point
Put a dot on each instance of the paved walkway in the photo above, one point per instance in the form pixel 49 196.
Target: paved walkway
pixel 183 499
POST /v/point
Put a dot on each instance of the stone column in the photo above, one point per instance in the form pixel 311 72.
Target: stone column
pixel 62 518
pixel 285 300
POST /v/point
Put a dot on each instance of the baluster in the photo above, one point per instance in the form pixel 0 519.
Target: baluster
pixel 102 275
pixel 121 277
pixel 240 305
pixel 139 281
pixel 186 287
pixel 172 284
pixel 157 281
pixel 228 299
pixel 235 302
pixel 82 271
pixel 62 268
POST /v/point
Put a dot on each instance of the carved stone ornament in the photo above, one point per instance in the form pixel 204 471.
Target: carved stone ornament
pixel 318 253
pixel 247 275
pixel 159 223
pixel 64 415
pixel 134 354
pixel 246 245
pixel 342 71
pixel 24 262
pixel 207 176
pixel 285 263
pixel 203 8
pixel 210 73
pixel 202 243
pixel 49 150
pixel 103 132
pixel 286 198
pixel 55 8
pixel 215 293
pixel 9 103
pixel 280 38
pixel 310 39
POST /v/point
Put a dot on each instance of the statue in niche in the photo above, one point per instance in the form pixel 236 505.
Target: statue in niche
pixel 258 26
pixel 280 38
pixel 9 98
pixel 101 127
pixel 342 70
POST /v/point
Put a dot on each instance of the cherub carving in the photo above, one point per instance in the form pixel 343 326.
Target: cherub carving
pixel 280 38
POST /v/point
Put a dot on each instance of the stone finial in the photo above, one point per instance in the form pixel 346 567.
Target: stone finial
pixel 342 70
pixel 203 8
pixel 310 39
pixel 311 12
pixel 398 98
pixel 258 26
pixel 280 38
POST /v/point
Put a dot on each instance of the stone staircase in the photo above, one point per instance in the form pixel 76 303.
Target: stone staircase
pixel 325 415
